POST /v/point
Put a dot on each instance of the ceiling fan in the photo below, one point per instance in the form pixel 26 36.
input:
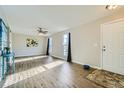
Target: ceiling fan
pixel 41 31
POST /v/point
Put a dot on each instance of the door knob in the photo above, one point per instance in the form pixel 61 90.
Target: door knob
pixel 104 46
pixel 103 49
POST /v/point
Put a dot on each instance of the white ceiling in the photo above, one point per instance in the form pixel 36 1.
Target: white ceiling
pixel 26 19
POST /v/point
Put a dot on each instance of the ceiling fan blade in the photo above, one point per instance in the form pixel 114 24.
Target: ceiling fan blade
pixel 42 31
pixel 45 32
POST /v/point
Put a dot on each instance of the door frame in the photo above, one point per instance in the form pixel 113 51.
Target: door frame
pixel 101 38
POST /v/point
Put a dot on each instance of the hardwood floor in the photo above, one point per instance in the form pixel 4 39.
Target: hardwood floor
pixel 65 75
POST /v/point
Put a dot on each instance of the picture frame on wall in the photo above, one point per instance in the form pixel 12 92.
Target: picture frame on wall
pixel 31 42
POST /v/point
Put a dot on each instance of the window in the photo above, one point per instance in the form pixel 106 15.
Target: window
pixel 4 36
pixel 50 46
pixel 65 44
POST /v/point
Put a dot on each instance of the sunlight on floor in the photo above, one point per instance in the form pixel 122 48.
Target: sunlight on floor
pixel 27 59
pixel 54 64
pixel 14 78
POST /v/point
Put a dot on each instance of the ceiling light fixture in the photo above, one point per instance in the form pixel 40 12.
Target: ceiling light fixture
pixel 111 7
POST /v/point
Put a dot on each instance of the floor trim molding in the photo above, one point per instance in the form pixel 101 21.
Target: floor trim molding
pixel 77 62
pixel 29 56
pixel 58 57
pixel 85 64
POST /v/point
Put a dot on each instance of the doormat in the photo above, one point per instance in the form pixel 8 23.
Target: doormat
pixel 106 79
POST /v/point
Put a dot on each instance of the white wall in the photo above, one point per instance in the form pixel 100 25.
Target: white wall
pixel 85 41
pixel 3 16
pixel 57 47
pixel 19 45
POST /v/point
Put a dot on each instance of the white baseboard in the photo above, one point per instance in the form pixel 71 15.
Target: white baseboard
pixel 58 57
pixel 27 55
pixel 74 61
pixel 85 64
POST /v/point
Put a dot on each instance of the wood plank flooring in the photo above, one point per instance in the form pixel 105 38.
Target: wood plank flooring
pixel 66 75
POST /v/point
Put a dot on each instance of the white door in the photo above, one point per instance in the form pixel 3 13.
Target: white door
pixel 113 47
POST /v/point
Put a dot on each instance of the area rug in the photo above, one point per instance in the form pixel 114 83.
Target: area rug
pixel 106 79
